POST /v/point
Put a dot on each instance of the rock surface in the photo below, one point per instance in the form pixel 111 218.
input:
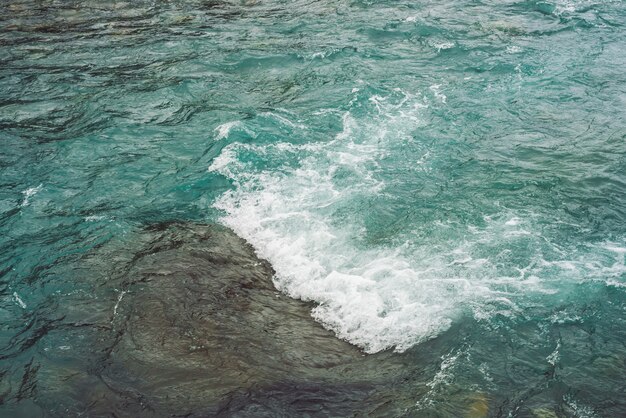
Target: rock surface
pixel 190 324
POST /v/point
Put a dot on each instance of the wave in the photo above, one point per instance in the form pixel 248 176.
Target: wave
pixel 306 206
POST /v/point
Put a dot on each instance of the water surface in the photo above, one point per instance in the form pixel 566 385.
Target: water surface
pixel 444 176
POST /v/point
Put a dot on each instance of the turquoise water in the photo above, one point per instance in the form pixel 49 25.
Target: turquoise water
pixel 424 171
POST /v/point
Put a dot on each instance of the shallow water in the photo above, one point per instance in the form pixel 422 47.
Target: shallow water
pixel 442 176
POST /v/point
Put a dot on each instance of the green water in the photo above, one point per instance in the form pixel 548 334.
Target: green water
pixel 445 173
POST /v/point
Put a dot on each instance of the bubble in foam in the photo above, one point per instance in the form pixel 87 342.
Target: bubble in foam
pixel 223 130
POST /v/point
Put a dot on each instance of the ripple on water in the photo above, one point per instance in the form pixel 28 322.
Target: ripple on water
pixel 443 179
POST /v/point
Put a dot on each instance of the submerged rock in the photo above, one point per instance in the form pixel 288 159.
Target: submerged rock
pixel 544 413
pixel 479 406
pixel 195 327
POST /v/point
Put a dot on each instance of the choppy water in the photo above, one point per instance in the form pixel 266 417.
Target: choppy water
pixel 449 170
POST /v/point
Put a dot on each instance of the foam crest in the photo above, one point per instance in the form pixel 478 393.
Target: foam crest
pixel 28 193
pixel 303 206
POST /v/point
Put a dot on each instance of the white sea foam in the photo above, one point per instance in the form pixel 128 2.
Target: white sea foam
pixel 362 294
pixel 615 248
pixel 94 218
pixel 512 222
pixel 28 193
pixel 578 409
pixel 439 46
pixel 442 378
pixel 306 218
pixel 513 49
pixel 19 300
pixel 282 119
pixel 223 130
pixel 554 357
pixel 436 89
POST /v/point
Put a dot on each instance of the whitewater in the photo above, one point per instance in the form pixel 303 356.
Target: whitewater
pixel 312 210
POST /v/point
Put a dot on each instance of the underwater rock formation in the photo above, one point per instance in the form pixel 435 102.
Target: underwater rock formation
pixel 190 324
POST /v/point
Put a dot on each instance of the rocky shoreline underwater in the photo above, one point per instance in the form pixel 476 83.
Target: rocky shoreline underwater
pixel 188 323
